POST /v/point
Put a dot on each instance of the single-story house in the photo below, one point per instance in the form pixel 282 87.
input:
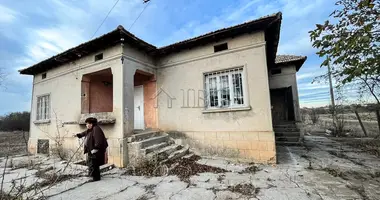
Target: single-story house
pixel 225 92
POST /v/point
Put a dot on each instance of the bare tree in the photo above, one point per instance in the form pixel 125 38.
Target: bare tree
pixel 314 116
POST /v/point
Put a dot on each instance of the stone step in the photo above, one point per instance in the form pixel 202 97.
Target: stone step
pixel 184 153
pixel 286 129
pixel 164 153
pixel 153 141
pixel 188 156
pixel 279 143
pixel 179 153
pixel 144 135
pixel 154 148
pixel 284 126
pixel 287 139
pixel 287 134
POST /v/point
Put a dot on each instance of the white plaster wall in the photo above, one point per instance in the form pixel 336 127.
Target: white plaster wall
pixel 201 51
pixel 64 86
pixel 184 70
pixel 285 79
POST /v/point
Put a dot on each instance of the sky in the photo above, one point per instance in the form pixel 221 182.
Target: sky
pixel 31 31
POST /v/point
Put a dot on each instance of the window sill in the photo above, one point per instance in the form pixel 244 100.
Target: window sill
pixel 46 121
pixel 102 117
pixel 227 109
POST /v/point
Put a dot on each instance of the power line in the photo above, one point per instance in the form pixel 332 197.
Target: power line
pixel 117 1
pixel 145 1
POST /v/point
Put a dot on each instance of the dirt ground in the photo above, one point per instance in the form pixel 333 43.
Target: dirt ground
pixel 322 168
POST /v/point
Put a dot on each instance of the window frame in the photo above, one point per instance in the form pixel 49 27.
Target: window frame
pixel 219 73
pixel 39 110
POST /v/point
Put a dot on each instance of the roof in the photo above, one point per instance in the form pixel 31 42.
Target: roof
pixel 270 24
pixel 290 59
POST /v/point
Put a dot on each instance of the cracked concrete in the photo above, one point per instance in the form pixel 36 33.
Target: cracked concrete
pixel 321 169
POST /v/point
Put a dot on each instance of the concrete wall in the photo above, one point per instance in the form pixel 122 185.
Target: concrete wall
pixel 287 78
pixel 64 86
pixel 246 133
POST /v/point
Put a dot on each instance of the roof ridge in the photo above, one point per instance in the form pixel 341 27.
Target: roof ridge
pixel 277 14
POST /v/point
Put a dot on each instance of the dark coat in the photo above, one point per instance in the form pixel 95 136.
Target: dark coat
pixel 95 139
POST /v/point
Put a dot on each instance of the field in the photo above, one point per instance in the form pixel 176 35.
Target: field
pixel 350 124
pixel 13 143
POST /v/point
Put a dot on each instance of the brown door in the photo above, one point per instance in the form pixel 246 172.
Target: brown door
pixel 279 106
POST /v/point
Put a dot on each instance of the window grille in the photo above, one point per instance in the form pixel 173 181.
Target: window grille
pixel 224 89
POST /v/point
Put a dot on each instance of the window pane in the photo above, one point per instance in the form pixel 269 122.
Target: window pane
pixel 38 108
pixel 213 92
pixel 238 89
pixel 225 91
pixel 47 107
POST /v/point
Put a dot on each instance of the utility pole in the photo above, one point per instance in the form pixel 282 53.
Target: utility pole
pixel 332 96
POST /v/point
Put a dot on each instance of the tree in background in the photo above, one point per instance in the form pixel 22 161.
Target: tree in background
pixel 350 44
pixel 16 121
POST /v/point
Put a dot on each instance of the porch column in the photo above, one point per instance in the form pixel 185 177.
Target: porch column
pixel 128 100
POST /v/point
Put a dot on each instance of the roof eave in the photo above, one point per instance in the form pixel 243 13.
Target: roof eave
pixel 298 63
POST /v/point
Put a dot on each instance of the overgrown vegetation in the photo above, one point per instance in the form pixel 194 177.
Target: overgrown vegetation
pixel 349 45
pixel 16 121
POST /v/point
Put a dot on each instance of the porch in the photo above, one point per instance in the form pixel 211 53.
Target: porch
pixel 283 116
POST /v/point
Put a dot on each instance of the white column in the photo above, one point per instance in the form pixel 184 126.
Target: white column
pixel 128 99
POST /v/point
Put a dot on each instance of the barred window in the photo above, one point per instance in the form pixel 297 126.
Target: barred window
pixel 43 107
pixel 224 89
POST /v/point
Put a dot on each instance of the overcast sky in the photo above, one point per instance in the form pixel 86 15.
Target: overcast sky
pixel 33 30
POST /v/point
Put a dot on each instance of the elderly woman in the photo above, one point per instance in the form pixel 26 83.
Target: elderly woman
pixel 95 145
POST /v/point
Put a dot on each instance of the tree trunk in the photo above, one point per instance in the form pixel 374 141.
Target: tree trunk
pixel 361 123
pixel 378 121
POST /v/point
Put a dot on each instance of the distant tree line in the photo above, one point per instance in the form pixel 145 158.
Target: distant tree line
pixel 15 121
pixel 344 108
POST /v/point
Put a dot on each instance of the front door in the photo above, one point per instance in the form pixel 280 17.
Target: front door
pixel 139 107
pixel 279 107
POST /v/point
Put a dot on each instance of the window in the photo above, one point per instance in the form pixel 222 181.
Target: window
pixel 99 57
pixel 43 107
pixel 220 47
pixel 276 71
pixel 224 89
pixel 43 75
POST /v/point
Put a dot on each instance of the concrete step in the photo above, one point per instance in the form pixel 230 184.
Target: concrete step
pixel 285 129
pixel 153 141
pixel 287 139
pixel 164 153
pixel 188 156
pixel 286 126
pixel 144 135
pixel 179 153
pixel 154 148
pixel 278 143
pixel 287 134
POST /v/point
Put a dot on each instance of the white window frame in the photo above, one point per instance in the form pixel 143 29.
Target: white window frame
pixel 43 112
pixel 236 70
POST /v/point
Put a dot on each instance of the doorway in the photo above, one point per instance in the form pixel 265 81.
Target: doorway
pixel 282 105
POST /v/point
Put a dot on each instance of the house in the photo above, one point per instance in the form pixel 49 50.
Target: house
pixel 224 93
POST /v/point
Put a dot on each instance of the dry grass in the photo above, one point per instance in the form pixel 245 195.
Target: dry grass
pixel 13 143
pixel 371 146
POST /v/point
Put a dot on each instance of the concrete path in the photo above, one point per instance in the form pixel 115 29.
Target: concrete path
pixel 321 169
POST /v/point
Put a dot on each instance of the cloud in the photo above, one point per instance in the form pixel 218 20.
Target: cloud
pixel 53 26
pixel 45 43
pixel 7 15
